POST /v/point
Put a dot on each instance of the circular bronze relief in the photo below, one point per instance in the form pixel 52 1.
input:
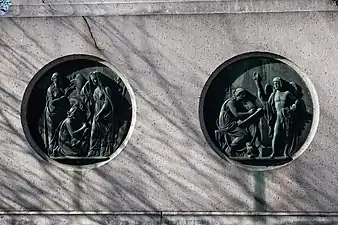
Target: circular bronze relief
pixel 78 110
pixel 259 111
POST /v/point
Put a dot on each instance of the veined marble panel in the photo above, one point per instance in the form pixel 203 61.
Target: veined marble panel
pixel 163 219
pixel 42 8
pixel 168 165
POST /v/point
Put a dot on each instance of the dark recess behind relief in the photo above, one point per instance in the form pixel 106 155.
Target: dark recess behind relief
pixel 37 100
pixel 219 90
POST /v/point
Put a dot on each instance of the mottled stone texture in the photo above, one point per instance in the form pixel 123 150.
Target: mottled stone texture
pixel 168 165
pixel 165 220
pixel 41 8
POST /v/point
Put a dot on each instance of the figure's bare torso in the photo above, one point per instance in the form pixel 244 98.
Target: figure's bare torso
pixel 280 99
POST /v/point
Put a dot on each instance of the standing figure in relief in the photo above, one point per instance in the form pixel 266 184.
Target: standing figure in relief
pixel 285 112
pixel 86 95
pixel 281 108
pixel 101 135
pixel 263 95
pixel 55 110
pixel 76 85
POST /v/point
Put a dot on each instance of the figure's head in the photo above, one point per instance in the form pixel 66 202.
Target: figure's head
pixel 293 85
pixel 277 83
pixel 94 76
pixel 55 77
pixel 239 94
pixel 78 80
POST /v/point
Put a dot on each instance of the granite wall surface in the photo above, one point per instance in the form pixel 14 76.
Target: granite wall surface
pixel 168 166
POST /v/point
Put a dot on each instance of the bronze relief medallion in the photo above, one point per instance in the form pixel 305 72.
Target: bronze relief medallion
pixel 78 110
pixel 259 110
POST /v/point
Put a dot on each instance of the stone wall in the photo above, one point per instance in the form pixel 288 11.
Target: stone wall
pixel 168 174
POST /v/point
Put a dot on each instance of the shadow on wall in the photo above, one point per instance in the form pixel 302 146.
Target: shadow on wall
pixel 227 221
pixel 142 183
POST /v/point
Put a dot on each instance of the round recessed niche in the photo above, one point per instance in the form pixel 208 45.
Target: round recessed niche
pixel 79 111
pixel 259 111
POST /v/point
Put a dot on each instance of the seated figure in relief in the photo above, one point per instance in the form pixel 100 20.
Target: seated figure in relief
pixel 73 133
pixel 239 130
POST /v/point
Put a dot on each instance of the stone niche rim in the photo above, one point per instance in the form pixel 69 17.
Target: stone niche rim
pixel 303 76
pixel 26 98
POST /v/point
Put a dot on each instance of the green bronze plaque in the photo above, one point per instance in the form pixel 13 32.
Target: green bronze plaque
pixel 78 110
pixel 259 110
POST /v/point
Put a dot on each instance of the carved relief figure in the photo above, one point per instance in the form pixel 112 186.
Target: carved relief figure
pixel 239 131
pixel 242 125
pixel 79 118
pixel 72 138
pixel 55 109
pixel 102 135
pixel 301 116
pixel 280 110
pixel 76 86
pixel 257 111
pixel 78 110
pixel 284 109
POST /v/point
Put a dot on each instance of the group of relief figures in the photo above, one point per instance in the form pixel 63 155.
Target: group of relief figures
pixel 79 117
pixel 270 132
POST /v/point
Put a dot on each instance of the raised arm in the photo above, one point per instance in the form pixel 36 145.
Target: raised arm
pixel 260 91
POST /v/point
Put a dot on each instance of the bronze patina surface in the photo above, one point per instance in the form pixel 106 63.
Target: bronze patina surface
pixel 77 112
pixel 257 111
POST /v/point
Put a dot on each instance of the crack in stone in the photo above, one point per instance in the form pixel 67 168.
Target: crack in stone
pixel 49 6
pixel 91 33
